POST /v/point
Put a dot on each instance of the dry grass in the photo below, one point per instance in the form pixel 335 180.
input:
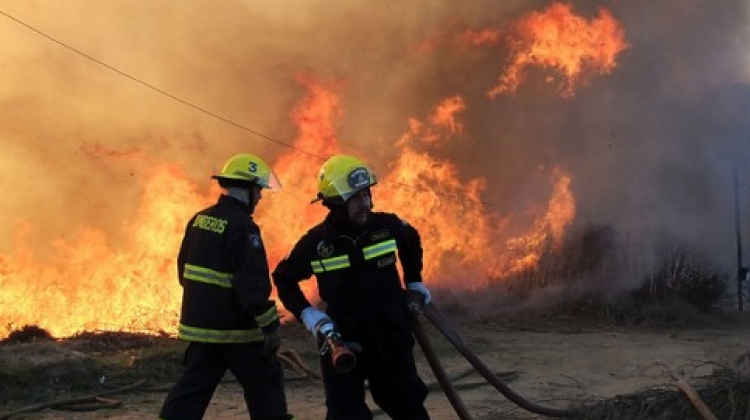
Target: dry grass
pixel 35 368
pixel 575 286
pixel 594 276
pixel 43 369
pixel 726 392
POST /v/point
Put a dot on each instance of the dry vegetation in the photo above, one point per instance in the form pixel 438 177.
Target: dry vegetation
pixel 36 370
pixel 680 291
pixel 726 394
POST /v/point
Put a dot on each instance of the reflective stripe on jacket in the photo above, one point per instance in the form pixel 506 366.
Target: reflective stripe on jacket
pixel 357 276
pixel 224 273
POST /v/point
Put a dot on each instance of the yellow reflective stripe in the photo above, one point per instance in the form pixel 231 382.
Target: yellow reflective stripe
pixel 374 251
pixel 206 275
pixel 267 317
pixel 206 335
pixel 330 264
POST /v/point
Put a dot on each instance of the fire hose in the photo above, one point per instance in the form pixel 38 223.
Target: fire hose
pixel 438 320
pixel 440 374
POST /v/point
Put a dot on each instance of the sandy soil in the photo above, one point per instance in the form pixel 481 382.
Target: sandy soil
pixel 552 366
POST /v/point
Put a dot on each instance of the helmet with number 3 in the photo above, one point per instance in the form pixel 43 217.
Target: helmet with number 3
pixel 250 169
pixel 342 176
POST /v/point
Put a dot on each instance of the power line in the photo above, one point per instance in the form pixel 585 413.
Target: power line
pixel 185 102
pixel 157 89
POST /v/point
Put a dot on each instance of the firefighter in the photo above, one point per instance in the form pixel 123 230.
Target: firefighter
pixel 227 317
pixel 353 255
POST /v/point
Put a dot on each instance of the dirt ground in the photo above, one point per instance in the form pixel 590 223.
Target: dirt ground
pixel 558 365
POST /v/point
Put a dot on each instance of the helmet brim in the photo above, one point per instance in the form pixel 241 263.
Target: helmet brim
pixel 272 183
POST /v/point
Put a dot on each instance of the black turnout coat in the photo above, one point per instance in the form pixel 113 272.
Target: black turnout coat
pixel 225 278
pixel 358 278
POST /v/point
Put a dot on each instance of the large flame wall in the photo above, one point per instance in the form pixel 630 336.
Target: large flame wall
pixel 493 125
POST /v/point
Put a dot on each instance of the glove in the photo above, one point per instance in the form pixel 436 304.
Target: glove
pixel 271 343
pixel 417 295
pixel 316 321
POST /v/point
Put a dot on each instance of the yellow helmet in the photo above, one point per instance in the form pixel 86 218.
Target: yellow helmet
pixel 245 167
pixel 342 176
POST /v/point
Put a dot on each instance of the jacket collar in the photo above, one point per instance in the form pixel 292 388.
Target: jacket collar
pixel 226 200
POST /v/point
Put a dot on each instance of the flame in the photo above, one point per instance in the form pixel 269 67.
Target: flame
pixel 482 36
pixel 462 238
pixel 285 216
pixel 458 35
pixel 558 215
pixel 316 117
pixel 450 216
pixel 90 284
pixel 558 39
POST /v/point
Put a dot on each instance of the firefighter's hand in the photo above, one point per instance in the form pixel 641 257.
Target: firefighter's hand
pixel 271 343
pixel 417 296
pixel 316 321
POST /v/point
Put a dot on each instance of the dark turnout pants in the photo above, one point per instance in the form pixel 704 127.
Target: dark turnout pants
pixel 261 378
pixel 394 386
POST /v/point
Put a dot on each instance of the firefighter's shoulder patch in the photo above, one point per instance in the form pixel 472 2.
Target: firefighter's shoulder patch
pixel 254 240
pixel 324 249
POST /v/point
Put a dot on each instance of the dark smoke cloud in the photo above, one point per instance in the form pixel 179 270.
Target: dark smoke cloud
pixel 651 146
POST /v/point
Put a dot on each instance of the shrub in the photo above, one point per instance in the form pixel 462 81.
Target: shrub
pixel 684 274
pixel 26 334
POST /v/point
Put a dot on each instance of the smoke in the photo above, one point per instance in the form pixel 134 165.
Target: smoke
pixel 662 138
pixel 651 146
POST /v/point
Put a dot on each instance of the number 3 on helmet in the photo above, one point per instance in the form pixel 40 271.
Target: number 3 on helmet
pixel 249 168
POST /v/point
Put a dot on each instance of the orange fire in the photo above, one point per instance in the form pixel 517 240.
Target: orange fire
pixel 286 215
pixel 560 211
pixel 482 36
pixel 89 285
pixel 92 282
pixel 569 44
pixel 459 35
